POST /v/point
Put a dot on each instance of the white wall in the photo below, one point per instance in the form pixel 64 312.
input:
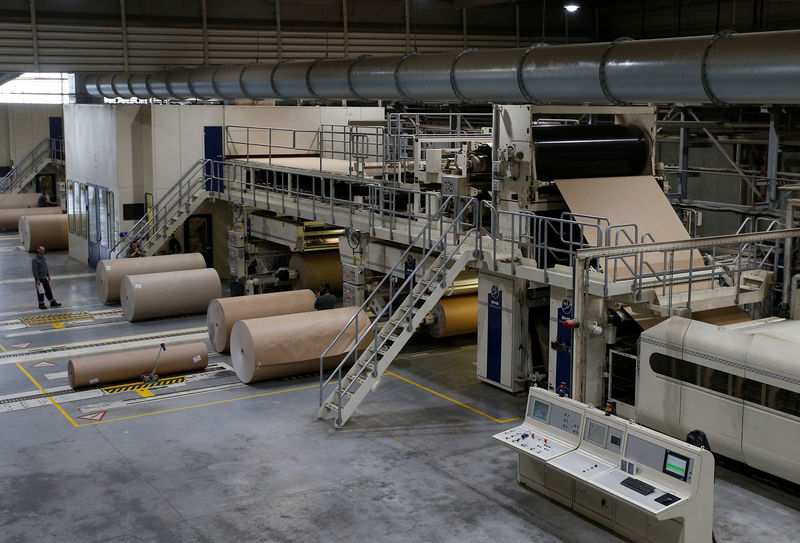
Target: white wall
pixel 90 139
pixel 5 142
pixel 28 124
pixel 134 174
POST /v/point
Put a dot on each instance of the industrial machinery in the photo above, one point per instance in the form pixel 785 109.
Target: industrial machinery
pixel 646 486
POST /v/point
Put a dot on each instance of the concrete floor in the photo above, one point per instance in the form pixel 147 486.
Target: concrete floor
pixel 211 459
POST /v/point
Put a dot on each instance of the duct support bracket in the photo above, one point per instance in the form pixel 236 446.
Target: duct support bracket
pixel 704 67
pixel 602 73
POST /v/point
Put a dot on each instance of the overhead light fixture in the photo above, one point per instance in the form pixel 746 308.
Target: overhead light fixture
pixel 572 8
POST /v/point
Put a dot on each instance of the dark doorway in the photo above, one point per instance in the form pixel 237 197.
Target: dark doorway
pixel 197 237
pixel 212 141
pixel 57 133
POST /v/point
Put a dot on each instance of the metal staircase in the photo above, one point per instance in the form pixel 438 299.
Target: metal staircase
pixel 48 151
pixel 381 340
pixel 154 229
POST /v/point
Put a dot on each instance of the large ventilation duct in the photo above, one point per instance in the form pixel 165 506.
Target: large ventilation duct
pixel 757 68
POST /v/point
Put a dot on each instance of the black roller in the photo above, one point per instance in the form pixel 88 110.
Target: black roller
pixel 572 151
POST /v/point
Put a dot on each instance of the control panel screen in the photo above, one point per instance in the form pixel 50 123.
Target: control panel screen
pixel 676 465
pixel 596 433
pixel 540 410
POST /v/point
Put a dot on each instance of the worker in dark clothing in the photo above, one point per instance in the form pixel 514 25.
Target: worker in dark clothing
pixel 174 246
pixel 134 251
pixel 42 277
pixel 325 300
pixel 46 200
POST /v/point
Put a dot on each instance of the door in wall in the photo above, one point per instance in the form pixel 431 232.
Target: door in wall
pixel 197 237
pixel 57 138
pixel 212 140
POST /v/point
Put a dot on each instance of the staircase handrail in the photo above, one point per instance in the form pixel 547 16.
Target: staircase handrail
pixel 170 201
pixel 53 148
pixel 469 203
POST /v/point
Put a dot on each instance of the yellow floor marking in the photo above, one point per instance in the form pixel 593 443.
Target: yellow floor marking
pixel 2 348
pixel 163 411
pixel 48 396
pixel 449 399
pixel 144 393
pixel 58 325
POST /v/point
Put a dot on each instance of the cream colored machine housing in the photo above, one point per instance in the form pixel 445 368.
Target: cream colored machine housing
pixel 574 454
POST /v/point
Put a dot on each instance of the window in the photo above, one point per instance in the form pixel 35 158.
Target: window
pixel 83 211
pixel 749 390
pixel 102 217
pixel 92 213
pixel 71 206
pixel 112 226
pixel 37 88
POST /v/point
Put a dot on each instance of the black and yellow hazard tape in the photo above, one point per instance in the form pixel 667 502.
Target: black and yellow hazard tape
pixel 50 318
pixel 141 385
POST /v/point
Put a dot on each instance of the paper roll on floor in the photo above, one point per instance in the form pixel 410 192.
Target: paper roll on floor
pixel 183 292
pixel 9 218
pixel 114 367
pixel 454 316
pixel 273 347
pixel 50 231
pixel 25 199
pixel 313 269
pixel 110 272
pixel 223 313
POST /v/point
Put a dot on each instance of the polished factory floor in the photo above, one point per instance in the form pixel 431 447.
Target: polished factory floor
pixel 205 458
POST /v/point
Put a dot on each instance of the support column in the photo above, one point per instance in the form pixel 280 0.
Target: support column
pixel 278 28
pixel 408 27
pixel 683 158
pixel 124 29
pixel 34 37
pixel 204 12
pixel 464 25
pixel 345 29
pixel 773 151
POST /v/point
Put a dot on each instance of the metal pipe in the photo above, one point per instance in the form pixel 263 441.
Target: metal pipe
pixel 754 68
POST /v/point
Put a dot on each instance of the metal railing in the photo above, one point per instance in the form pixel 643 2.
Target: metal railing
pixel 464 224
pixel 178 198
pixel 49 149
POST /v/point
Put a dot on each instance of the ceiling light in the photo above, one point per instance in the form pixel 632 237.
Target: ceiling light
pixel 572 8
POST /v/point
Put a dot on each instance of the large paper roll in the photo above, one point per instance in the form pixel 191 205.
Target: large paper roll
pixel 183 292
pixel 49 231
pixel 115 367
pixel 313 269
pixel 454 316
pixel 9 218
pixel 223 313
pixel 109 273
pixel 25 199
pixel 273 347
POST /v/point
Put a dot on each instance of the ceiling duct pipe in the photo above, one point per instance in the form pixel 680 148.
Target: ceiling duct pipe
pixel 728 68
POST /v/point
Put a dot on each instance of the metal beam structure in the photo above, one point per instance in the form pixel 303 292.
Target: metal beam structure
pixel 757 68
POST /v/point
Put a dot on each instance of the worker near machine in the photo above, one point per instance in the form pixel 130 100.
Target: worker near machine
pixel 174 246
pixel 325 300
pixel 134 251
pixel 42 277
pixel 47 200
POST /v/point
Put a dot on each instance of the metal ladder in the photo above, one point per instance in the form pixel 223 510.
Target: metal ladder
pixel 413 300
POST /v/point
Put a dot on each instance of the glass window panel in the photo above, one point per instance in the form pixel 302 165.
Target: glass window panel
pixel 112 226
pixel 84 217
pixel 102 217
pixel 92 212
pixel 70 207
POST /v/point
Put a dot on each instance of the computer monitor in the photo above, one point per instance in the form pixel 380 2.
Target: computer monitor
pixel 540 410
pixel 676 465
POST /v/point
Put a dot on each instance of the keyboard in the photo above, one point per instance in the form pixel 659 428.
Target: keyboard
pixel 639 486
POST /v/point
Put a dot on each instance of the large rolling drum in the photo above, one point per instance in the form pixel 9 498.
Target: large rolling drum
pixel 110 272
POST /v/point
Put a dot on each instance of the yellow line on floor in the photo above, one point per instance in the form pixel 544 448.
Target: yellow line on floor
pixel 48 396
pixel 200 405
pixel 144 393
pixel 449 399
pixel 2 348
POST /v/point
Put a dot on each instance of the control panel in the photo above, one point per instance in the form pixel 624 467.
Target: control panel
pixel 592 460
pixel 528 441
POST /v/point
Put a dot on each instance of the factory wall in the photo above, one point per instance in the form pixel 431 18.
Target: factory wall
pixel 22 127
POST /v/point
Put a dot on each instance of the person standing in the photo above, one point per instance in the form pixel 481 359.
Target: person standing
pixel 325 300
pixel 42 277
pixel 134 251
pixel 46 200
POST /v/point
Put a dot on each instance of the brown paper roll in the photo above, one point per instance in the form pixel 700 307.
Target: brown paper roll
pixel 50 231
pixel 109 273
pixel 223 313
pixel 25 199
pixel 183 292
pixel 114 367
pixel 273 347
pixel 313 269
pixel 9 218
pixel 453 316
